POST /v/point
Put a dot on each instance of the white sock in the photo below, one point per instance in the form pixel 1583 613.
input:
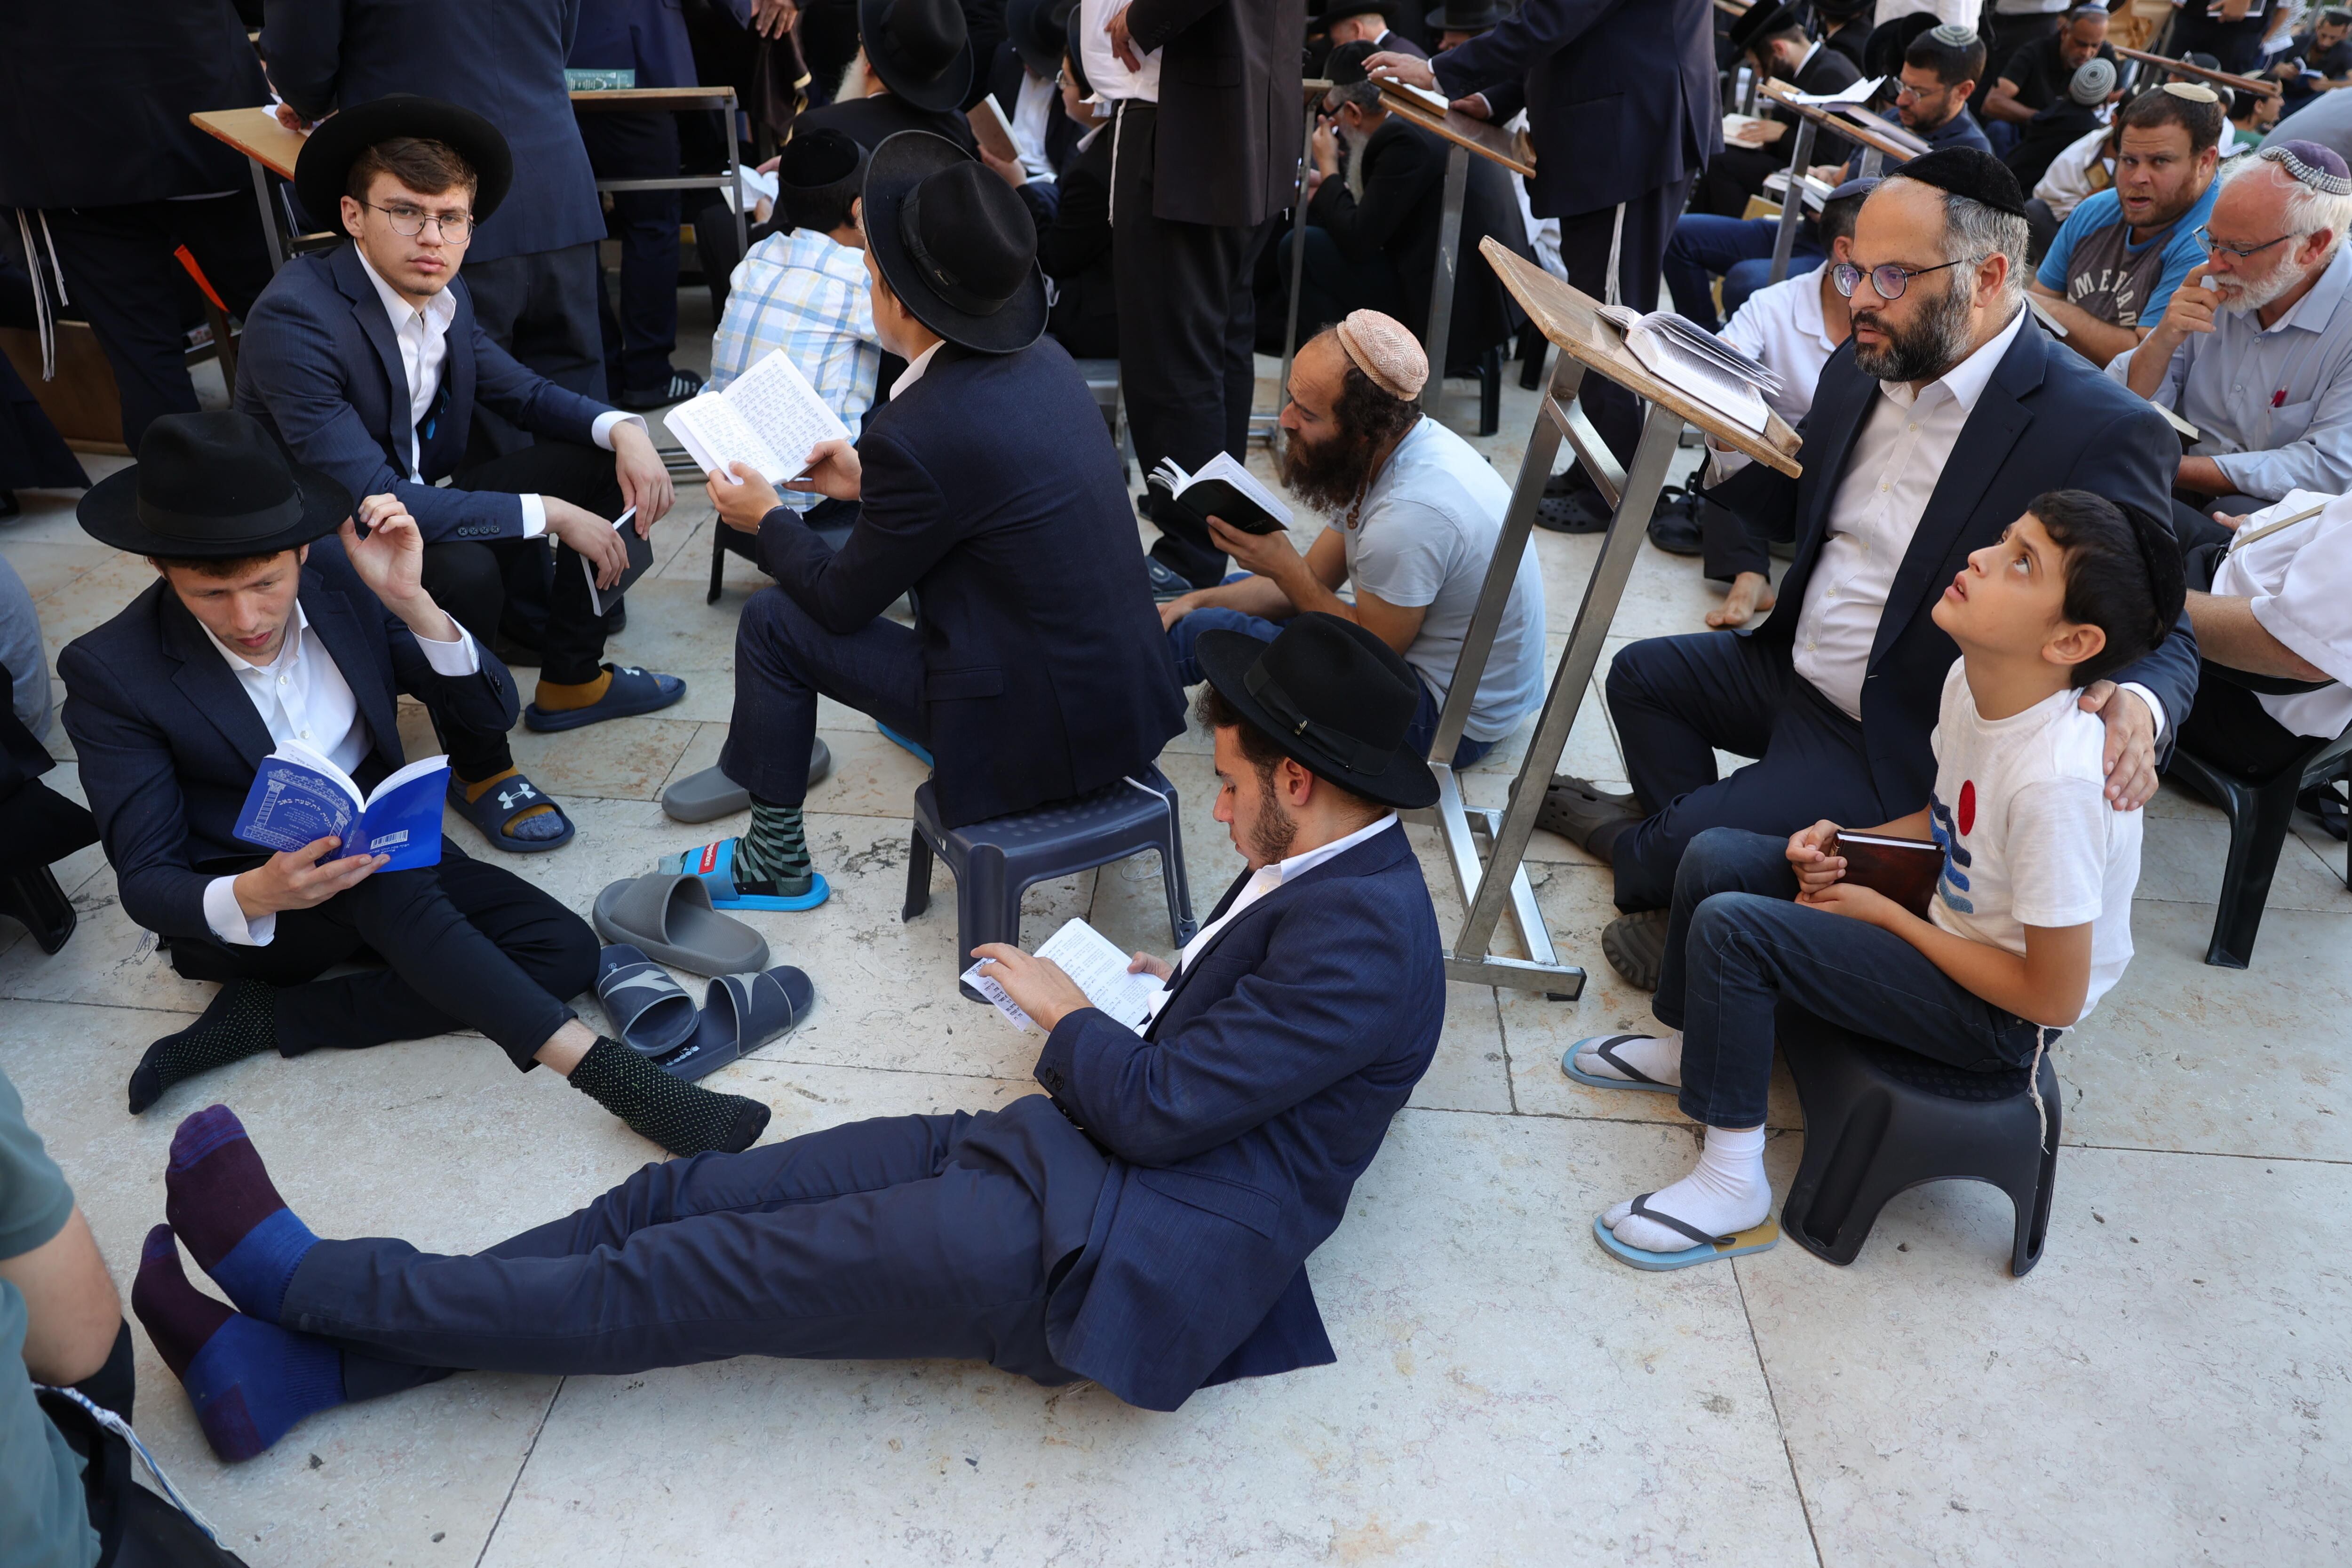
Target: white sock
pixel 1726 1193
pixel 1659 1055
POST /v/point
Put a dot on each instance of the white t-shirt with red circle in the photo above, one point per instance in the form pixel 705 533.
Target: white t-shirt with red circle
pixel 2029 839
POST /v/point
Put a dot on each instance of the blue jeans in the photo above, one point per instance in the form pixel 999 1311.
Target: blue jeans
pixel 1738 250
pixel 783 662
pixel 1185 633
pixel 1739 944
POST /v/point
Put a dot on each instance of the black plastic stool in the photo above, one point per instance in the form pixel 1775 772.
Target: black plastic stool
pixel 1880 1119
pixel 997 861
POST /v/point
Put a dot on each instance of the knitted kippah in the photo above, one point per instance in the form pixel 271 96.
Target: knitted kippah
pixel 2309 164
pixel 1386 353
pixel 2094 80
pixel 1956 35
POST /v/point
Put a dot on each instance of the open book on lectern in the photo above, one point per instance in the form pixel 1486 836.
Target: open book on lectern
pixel 1698 364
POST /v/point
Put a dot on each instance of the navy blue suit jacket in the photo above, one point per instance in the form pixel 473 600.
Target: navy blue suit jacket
pixel 992 489
pixel 168 741
pixel 1237 1125
pixel 501 59
pixel 2047 420
pixel 319 366
pixel 1621 95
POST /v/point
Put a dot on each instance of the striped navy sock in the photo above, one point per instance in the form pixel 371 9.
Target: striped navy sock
pixel 774 850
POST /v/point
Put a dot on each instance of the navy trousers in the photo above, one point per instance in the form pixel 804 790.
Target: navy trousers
pixel 900 1237
pixel 637 346
pixel 783 662
pixel 1738 250
pixel 1739 944
pixel 1675 701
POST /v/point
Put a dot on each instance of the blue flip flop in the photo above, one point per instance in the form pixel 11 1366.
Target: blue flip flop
pixel 649 1011
pixel 919 752
pixel 713 865
pixel 1605 1047
pixel 743 1013
pixel 1705 1248
pixel 500 804
pixel 633 691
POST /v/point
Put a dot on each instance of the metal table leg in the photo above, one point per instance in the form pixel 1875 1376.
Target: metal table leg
pixel 1297 252
pixel 1440 283
pixel 268 202
pixel 1793 208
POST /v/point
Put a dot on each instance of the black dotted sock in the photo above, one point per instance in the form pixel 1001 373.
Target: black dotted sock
pixel 241 1021
pixel 683 1118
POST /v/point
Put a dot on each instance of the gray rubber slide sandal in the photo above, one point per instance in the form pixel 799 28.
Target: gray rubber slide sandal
pixel 668 918
pixel 710 794
pixel 650 1012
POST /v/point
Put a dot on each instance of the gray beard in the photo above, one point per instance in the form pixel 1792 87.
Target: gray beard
pixel 1922 353
pixel 856 80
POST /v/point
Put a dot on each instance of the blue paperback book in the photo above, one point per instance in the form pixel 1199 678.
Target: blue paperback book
pixel 300 796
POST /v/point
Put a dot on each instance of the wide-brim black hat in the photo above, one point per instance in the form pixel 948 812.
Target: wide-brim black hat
pixel 1473 17
pixel 1883 51
pixel 1329 11
pixel 1335 697
pixel 920 48
pixel 211 487
pixel 323 168
pixel 1037 30
pixel 1760 20
pixel 954 243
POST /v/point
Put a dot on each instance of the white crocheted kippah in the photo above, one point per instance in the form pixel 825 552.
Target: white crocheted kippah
pixel 1385 352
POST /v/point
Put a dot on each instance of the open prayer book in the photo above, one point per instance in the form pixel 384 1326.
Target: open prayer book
pixel 300 796
pixel 1817 192
pixel 1435 102
pixel 1099 967
pixel 1697 362
pixel 769 417
pixel 1857 93
pixel 1223 489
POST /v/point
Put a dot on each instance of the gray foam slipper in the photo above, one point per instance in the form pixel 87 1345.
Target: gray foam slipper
pixel 710 794
pixel 668 918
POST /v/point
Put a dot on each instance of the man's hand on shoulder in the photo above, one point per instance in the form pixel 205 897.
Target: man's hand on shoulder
pixel 1045 993
pixel 645 478
pixel 2130 756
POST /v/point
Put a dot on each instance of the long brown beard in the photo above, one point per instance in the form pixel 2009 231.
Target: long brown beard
pixel 1329 474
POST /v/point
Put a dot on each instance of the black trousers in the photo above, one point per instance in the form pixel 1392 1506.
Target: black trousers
pixel 120 275
pixel 1675 701
pixel 489 584
pixel 1187 321
pixel 637 346
pixel 904 1235
pixel 1736 173
pixel 539 306
pixel 2227 724
pixel 1616 412
pixel 465 946
pixel 1728 543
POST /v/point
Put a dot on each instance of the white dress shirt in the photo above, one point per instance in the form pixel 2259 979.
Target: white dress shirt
pixel 914 371
pixel 1784 326
pixel 1032 111
pixel 1267 879
pixel 1904 442
pixel 1106 73
pixel 423 335
pixel 303 696
pixel 2300 580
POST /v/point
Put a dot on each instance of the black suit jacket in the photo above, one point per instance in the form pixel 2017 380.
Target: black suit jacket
pixel 1045 672
pixel 1828 71
pixel 95 96
pixel 1848 41
pixel 1073 217
pixel 1403 172
pixel 1227 144
pixel 1621 95
pixel 870 121
pixel 169 743
pixel 2048 420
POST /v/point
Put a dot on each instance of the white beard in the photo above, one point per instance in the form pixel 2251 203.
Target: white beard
pixel 2249 297
pixel 857 82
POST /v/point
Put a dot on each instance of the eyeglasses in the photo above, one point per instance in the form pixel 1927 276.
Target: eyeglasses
pixel 1903 90
pixel 2207 243
pixel 1888 280
pixel 408 223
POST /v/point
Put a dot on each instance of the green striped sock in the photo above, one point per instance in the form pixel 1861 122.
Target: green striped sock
pixel 775 850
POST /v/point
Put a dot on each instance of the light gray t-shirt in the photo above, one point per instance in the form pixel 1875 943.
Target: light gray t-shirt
pixel 1424 536
pixel 44 1523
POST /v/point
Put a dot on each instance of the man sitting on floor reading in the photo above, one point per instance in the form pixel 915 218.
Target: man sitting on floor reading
pixel 255 635
pixel 1415 514
pixel 367 362
pixel 1147 1225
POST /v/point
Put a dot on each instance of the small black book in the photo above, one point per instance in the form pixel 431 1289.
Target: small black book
pixel 641 558
pixel 1223 489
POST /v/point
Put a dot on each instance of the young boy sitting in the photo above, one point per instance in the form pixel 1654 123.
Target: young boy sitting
pixel 2031 923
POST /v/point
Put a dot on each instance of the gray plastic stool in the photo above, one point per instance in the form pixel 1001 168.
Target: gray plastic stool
pixel 998 861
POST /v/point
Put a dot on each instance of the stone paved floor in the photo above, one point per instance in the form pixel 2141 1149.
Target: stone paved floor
pixel 2172 1385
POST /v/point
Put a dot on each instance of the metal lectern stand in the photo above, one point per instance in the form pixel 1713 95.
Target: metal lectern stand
pixel 1589 343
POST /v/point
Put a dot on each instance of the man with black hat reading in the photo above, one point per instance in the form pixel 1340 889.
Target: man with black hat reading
pixel 252 638
pixel 368 362
pixel 1147 1225
pixel 1037 670
pixel 1931 428
pixel 913 72
pixel 1772 36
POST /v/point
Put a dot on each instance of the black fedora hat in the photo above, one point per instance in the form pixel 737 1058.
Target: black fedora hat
pixel 954 243
pixel 1473 17
pixel 920 48
pixel 1882 52
pixel 211 487
pixel 323 168
pixel 1330 11
pixel 1037 30
pixel 816 173
pixel 1335 697
pixel 1761 20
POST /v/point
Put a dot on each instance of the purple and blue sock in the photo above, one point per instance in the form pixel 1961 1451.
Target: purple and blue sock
pixel 219 1198
pixel 251 1382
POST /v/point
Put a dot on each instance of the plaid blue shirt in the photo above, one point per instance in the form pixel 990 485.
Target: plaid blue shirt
pixel 805 294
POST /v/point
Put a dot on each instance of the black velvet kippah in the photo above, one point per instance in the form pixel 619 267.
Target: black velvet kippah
pixel 1965 172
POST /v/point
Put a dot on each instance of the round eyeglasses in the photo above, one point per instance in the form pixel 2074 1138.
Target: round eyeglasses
pixel 2211 247
pixel 1888 280
pixel 408 223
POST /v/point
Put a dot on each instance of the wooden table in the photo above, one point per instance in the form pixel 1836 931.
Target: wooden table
pixel 1465 137
pixel 2262 85
pixel 675 99
pixel 270 149
pixel 1495 881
